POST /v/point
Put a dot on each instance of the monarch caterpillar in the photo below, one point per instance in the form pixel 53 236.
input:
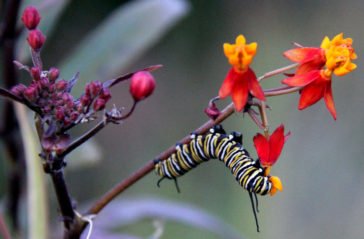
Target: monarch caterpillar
pixel 227 148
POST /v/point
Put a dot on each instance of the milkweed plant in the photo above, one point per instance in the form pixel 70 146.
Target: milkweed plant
pixel 57 111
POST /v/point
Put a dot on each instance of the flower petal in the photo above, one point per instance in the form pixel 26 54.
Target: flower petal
pixel 302 79
pixel 311 94
pixel 276 185
pixel 253 85
pixel 329 100
pixel 262 146
pixel 240 94
pixel 276 142
pixel 240 40
pixel 302 54
pixel 227 85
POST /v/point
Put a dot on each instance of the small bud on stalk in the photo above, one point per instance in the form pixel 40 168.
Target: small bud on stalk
pixel 30 17
pixel 142 85
pixel 36 39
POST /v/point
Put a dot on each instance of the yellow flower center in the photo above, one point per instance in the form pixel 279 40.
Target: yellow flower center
pixel 239 54
pixel 339 53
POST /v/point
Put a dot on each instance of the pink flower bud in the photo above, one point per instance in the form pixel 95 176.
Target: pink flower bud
pixel 85 100
pixel 60 113
pixel 30 17
pixel 61 85
pixel 74 115
pixel 142 85
pixel 53 74
pixel 44 83
pixel 66 121
pixel 36 39
pixel 93 89
pixel 212 111
pixel 31 94
pixel 99 104
pixel 18 90
pixel 105 95
pixel 68 100
pixel 35 72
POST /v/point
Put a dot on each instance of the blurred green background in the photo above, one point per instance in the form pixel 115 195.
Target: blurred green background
pixel 321 165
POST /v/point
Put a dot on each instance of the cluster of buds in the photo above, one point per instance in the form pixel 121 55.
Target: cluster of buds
pixel 95 95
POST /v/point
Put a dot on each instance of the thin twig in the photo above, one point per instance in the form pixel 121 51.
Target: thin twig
pixel 281 91
pixel 83 138
pixel 126 183
pixel 255 119
pixel 277 71
pixel 112 82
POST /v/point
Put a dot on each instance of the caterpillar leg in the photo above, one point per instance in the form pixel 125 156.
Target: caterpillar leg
pixel 159 181
pixel 175 183
pixel 254 211
pixel 237 137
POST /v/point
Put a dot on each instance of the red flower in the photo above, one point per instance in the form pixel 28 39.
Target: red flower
pixel 241 79
pixel 316 68
pixel 269 149
pixel 316 86
pixel 238 85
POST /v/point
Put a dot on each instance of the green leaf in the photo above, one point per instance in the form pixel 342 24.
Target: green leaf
pixel 121 38
pixel 36 200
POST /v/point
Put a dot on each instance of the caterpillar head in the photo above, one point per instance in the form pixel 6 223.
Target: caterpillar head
pixel 276 185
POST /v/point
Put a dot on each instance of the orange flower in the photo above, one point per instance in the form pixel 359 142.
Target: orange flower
pixel 268 151
pixel 316 68
pixel 241 79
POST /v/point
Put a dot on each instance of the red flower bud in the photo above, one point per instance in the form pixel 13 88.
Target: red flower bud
pixel 35 72
pixel 93 89
pixel 85 100
pixel 142 85
pixel 66 122
pixel 99 104
pixel 105 95
pixel 44 82
pixel 30 17
pixel 68 100
pixel 61 85
pixel 60 113
pixel 74 115
pixel 18 89
pixel 53 74
pixel 31 93
pixel 36 39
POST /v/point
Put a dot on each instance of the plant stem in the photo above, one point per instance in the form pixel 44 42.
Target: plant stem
pixel 83 138
pixel 281 91
pixel 3 229
pixel 126 183
pixel 63 197
pixel 277 71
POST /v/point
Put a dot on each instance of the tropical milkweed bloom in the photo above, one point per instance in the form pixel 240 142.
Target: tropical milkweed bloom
pixel 316 66
pixel 268 151
pixel 241 80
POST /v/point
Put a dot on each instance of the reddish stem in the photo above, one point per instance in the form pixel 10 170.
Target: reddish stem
pixel 3 228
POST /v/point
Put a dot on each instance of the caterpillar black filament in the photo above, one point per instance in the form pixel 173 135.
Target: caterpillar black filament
pixel 228 149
